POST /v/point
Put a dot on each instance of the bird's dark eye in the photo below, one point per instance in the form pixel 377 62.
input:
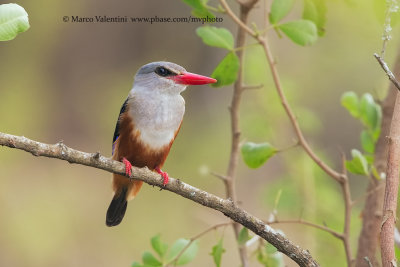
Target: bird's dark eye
pixel 163 72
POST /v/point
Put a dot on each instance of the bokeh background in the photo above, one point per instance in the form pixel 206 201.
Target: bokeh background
pixel 67 81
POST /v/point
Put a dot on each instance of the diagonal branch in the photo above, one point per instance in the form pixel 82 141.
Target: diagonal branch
pixel 314 225
pixel 341 178
pixel 388 72
pixel 225 206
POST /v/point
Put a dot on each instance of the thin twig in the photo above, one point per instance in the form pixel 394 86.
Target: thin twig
pixel 314 225
pixel 388 72
pixel 220 176
pixel 370 192
pixel 341 178
pixel 264 42
pixel 348 204
pixel 368 261
pixel 225 206
pixel 230 181
pixel 332 173
pixel 252 87
pixel 191 240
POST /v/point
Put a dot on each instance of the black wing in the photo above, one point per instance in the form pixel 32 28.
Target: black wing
pixel 116 132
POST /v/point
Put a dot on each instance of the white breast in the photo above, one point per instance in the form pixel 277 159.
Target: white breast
pixel 157 117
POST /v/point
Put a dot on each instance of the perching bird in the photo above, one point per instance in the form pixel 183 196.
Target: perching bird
pixel 147 125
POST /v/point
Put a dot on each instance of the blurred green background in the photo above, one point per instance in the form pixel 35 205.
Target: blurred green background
pixel 67 81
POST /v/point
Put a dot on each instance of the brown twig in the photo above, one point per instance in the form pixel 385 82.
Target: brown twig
pixel 264 42
pixel 230 182
pixel 191 240
pixel 332 173
pixel 368 240
pixel 220 176
pixel 391 190
pixel 393 163
pixel 388 72
pixel 252 87
pixel 314 225
pixel 225 206
pixel 341 178
pixel 368 193
pixel 348 204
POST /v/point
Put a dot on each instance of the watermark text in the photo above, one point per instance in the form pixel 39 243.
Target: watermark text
pixel 151 20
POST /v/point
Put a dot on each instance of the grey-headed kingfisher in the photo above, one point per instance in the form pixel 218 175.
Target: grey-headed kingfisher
pixel 147 125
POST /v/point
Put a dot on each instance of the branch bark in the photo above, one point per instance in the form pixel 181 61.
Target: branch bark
pixel 368 240
pixel 226 206
pixel 341 178
pixel 230 179
pixel 392 178
pixel 391 190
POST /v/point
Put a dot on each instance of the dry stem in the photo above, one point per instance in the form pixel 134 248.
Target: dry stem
pixel 226 206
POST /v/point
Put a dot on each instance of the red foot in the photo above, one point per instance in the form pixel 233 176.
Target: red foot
pixel 164 175
pixel 128 167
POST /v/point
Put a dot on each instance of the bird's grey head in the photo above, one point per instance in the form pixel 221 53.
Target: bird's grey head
pixel 159 77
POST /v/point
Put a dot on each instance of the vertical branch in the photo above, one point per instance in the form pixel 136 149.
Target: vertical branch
pixel 235 128
pixel 368 240
pixel 391 190
pixel 341 178
pixel 347 220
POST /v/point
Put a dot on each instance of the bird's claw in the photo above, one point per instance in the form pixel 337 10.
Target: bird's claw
pixel 164 175
pixel 128 167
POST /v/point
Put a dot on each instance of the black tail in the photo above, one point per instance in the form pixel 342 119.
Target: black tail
pixel 117 208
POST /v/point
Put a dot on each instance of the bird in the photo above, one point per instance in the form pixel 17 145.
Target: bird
pixel 147 125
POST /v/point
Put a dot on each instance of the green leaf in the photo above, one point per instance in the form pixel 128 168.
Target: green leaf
pixel 369 113
pixel 374 171
pixel 218 37
pixel 359 164
pixel 227 70
pixel 217 252
pixel 302 32
pixel 349 100
pixel 149 259
pixel 270 249
pixel 13 20
pixel 367 142
pixel 243 236
pixel 255 155
pixel 199 8
pixel 270 257
pixel 158 246
pixel 189 254
pixel 315 10
pixel 279 10
pixel 136 264
pixel 176 248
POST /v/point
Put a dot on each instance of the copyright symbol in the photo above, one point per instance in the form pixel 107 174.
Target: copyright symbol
pixel 65 18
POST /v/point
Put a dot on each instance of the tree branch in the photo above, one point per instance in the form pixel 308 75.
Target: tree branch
pixel 191 240
pixel 391 190
pixel 314 225
pixel 392 179
pixel 341 178
pixel 368 240
pixel 227 207
pixel 230 181
pixel 264 43
pixel 390 74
